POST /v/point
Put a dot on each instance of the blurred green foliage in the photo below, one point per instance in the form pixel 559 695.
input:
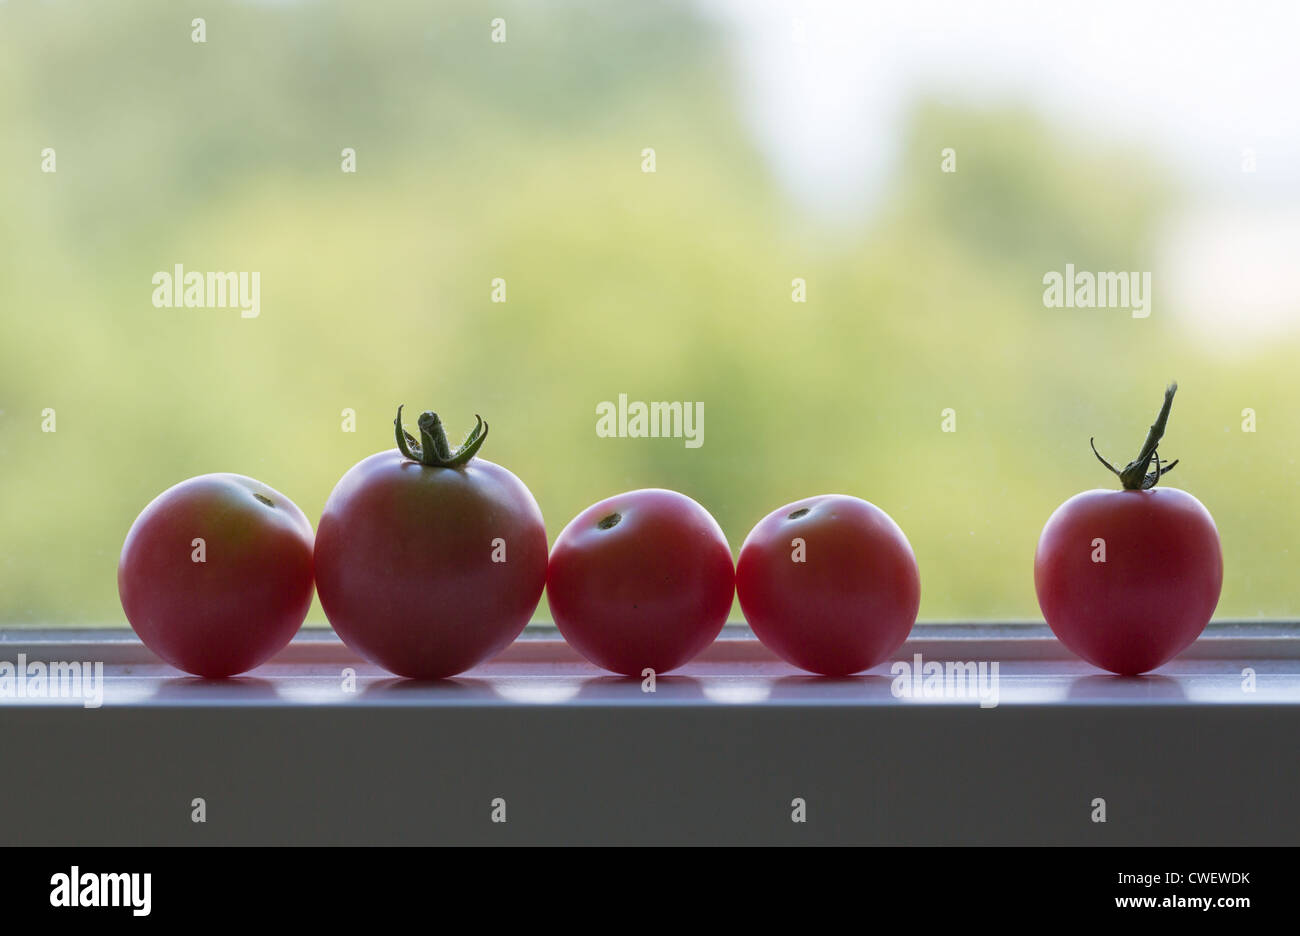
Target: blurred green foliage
pixel 523 160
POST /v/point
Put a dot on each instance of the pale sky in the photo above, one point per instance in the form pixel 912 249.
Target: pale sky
pixel 824 85
pixel 825 82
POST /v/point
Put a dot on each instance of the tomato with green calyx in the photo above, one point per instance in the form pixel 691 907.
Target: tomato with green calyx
pixel 430 560
pixel 1128 579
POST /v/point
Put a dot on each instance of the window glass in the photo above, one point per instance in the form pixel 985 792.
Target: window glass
pixel 833 229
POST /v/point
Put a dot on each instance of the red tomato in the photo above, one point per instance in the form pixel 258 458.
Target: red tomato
pixel 429 561
pixel 643 580
pixel 1156 589
pixel 829 584
pixel 216 574
pixel 1128 579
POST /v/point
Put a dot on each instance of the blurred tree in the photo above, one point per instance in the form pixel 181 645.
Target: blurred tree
pixel 523 161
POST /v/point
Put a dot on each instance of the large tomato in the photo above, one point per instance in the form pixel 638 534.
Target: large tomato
pixel 642 580
pixel 829 584
pixel 428 560
pixel 1128 579
pixel 216 574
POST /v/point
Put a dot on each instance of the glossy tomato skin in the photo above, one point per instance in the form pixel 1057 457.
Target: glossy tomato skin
pixel 405 563
pixel 851 601
pixel 239 606
pixel 1156 590
pixel 649 591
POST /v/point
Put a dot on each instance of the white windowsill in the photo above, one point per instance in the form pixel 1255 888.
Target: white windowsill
pixel 540 669
pixel 714 756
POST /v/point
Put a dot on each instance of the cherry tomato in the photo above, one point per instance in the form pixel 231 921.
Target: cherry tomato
pixel 428 560
pixel 1128 579
pixel 216 574
pixel 643 580
pixel 829 584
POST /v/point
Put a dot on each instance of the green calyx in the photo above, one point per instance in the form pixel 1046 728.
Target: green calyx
pixel 433 450
pixel 1135 476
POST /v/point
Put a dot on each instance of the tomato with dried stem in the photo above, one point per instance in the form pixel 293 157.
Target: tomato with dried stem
pixel 1128 579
